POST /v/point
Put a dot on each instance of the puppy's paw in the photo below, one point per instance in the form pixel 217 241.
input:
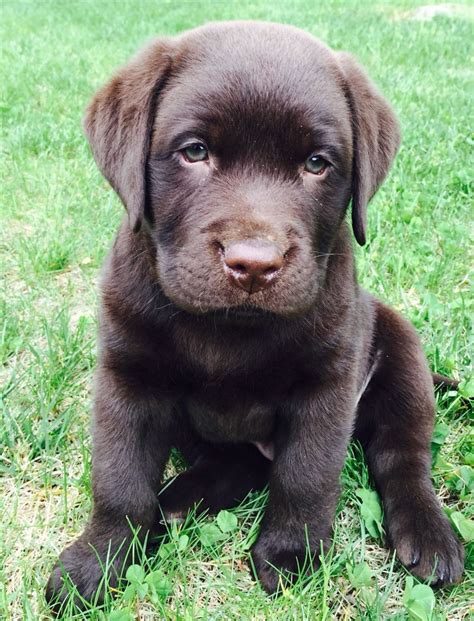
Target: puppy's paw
pixel 278 559
pixel 180 495
pixel 428 547
pixel 77 576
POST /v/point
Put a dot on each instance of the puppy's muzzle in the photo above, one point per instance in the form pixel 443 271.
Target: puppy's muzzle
pixel 252 264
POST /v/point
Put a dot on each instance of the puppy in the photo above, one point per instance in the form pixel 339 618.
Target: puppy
pixel 232 325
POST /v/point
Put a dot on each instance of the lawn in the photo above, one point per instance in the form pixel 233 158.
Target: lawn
pixel 58 219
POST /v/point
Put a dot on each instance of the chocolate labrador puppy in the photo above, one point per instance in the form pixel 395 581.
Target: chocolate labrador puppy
pixel 232 325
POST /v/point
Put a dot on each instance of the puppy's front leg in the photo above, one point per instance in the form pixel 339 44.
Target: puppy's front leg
pixel 130 448
pixel 311 443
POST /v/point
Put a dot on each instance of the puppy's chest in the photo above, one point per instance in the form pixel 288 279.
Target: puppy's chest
pixel 230 418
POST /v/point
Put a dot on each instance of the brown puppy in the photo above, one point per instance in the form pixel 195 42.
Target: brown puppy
pixel 232 324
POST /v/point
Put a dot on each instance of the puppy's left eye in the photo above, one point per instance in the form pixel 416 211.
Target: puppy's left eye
pixel 195 152
pixel 316 164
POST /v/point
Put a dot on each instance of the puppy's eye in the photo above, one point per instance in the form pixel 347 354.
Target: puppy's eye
pixel 315 164
pixel 195 152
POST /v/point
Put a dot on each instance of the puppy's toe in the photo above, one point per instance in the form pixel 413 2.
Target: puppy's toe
pixel 56 591
pixel 76 578
pixel 269 578
pixel 179 496
pixel 430 550
pixel 275 569
pixel 279 562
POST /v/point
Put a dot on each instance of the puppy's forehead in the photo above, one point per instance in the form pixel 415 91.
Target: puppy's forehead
pixel 243 70
pixel 265 55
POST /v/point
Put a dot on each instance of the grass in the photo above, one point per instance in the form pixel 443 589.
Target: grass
pixel 58 219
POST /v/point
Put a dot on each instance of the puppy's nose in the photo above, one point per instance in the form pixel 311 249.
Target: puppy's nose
pixel 252 264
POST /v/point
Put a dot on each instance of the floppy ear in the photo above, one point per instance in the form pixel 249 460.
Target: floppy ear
pixel 119 121
pixel 376 138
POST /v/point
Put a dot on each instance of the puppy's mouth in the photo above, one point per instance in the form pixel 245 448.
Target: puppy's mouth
pixel 241 314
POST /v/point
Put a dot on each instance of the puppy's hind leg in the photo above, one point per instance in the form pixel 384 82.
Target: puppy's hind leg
pixel 395 424
pixel 219 477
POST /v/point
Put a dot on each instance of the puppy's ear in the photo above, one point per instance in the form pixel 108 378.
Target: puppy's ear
pixel 376 138
pixel 119 121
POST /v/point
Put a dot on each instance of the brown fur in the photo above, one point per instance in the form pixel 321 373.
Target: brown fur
pixel 188 359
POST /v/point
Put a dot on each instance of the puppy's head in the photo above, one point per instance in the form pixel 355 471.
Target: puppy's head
pixel 240 146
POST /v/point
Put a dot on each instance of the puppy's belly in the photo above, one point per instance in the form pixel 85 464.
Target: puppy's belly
pixel 231 422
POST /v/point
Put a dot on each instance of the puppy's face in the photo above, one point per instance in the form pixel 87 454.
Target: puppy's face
pixel 251 160
pixel 254 148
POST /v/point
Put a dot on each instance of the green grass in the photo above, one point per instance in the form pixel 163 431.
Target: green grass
pixel 58 219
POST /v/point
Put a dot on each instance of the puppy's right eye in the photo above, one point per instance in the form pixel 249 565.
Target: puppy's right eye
pixel 316 165
pixel 195 152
